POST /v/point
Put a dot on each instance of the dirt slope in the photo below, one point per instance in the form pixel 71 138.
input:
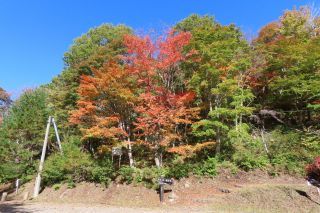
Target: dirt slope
pixel 245 192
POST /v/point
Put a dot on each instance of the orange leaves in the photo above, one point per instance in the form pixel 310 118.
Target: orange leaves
pixel 106 101
pixel 188 150
pixel 155 65
pixel 269 33
pixel 139 95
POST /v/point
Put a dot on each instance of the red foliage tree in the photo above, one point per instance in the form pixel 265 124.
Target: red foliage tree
pixel 162 109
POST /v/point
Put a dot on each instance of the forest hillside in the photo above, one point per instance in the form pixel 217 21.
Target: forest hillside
pixel 193 101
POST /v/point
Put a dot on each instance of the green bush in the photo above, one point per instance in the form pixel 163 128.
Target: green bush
pixel 291 150
pixel 248 152
pixel 147 176
pixel 207 168
pixel 179 171
pixel 249 161
pixel 15 161
pixel 126 174
pixel 73 165
pixel 102 172
pixel 228 165
pixel 150 176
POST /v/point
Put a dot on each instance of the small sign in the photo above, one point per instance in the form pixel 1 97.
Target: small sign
pixel 116 151
pixel 163 181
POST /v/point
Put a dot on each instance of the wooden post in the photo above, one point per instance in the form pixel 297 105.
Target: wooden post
pixel 43 155
pixel 57 134
pixel 161 192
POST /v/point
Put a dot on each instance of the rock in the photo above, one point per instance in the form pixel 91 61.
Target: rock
pixel 172 197
pixel 25 196
pixel 63 194
pixel 4 196
pixel 225 190
pixel 187 185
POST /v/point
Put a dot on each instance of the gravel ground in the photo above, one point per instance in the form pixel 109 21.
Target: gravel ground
pixel 14 207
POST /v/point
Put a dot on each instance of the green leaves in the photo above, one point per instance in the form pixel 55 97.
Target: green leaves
pixel 88 52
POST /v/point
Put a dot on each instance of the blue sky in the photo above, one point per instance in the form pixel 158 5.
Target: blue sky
pixel 34 34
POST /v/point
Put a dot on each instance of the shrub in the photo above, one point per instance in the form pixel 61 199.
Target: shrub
pixel 228 165
pixel 126 174
pixel 291 150
pixel 207 168
pixel 102 172
pixel 250 161
pixel 73 165
pixel 179 171
pixel 15 161
pixel 150 176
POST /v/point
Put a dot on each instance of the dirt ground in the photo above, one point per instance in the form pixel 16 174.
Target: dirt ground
pixel 244 192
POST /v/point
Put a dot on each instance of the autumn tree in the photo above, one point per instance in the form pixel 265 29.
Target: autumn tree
pixel 162 106
pixel 89 51
pixel 105 108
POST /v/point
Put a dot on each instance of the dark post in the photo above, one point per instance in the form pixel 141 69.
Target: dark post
pixel 161 192
pixel 162 182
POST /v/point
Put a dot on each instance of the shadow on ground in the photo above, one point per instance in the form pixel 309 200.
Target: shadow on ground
pixel 304 194
pixel 14 208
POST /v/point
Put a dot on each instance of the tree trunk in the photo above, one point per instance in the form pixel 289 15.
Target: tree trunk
pixel 218 147
pixel 131 162
pixel 265 143
pixel 158 159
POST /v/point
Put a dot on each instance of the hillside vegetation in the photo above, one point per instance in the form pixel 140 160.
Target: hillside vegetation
pixel 198 99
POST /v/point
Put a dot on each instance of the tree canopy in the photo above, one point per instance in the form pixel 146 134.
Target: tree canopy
pixel 198 96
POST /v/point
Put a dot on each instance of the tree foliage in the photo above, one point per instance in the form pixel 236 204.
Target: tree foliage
pixel 89 51
pixel 196 99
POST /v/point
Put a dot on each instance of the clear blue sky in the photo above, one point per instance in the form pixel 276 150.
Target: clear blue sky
pixel 34 34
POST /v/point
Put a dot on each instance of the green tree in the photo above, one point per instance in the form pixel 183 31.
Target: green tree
pixel 89 51
pixel 288 77
pixel 219 77
pixel 26 120
pixel 4 103
pixel 21 134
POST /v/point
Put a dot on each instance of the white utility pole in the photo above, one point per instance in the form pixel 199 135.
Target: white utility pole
pixel 43 154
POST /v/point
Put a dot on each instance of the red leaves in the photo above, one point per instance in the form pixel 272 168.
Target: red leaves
pixel 147 59
pixel 313 169
pixel 142 90
pixel 155 66
pixel 171 49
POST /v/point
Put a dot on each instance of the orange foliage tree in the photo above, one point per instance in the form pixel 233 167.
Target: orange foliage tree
pixel 105 108
pixel 163 111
